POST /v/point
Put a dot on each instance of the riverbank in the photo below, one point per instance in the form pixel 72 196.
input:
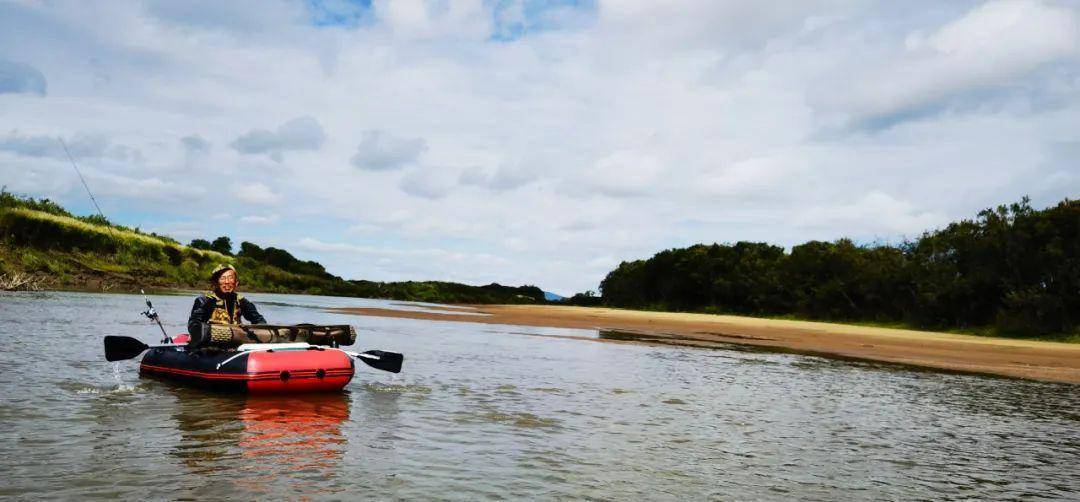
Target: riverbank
pixel 1036 360
pixel 45 247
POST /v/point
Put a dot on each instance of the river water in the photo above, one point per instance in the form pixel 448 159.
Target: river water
pixel 509 412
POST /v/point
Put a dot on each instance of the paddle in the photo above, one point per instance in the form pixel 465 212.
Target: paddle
pixel 380 359
pixel 118 348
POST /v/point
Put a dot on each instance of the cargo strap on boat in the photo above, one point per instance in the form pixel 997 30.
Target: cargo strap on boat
pixel 233 335
pixel 248 348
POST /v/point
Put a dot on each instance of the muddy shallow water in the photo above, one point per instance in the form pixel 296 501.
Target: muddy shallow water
pixel 509 411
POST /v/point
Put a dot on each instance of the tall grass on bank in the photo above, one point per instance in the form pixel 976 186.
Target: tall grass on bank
pixel 9 200
pixel 65 248
pixel 64 251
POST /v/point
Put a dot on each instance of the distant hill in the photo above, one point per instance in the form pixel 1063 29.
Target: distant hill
pixel 43 246
pixel 552 297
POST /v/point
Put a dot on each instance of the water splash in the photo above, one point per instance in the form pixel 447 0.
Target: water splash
pixel 120 385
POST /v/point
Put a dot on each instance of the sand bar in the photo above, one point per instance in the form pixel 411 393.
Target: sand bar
pixel 1037 360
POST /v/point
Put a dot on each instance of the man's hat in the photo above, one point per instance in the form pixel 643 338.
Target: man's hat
pixel 220 269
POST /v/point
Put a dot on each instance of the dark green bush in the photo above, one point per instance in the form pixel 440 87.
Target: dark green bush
pixel 1012 268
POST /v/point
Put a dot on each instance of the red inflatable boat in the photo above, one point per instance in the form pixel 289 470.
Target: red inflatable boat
pixel 254 367
pixel 259 358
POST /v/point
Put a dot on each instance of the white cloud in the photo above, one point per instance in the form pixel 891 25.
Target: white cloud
pixel 154 189
pixel 428 183
pixel 259 220
pixel 257 193
pixel 626 174
pixel 542 144
pixel 420 19
pixel 301 133
pixel 991 47
pixel 505 177
pixel 380 151
pixel 80 146
pixel 449 265
pixel 874 213
pixel 195 144
pixel 21 78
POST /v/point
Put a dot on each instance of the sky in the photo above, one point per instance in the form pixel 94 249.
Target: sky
pixel 530 142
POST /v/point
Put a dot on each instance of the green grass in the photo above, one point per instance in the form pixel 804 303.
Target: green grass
pixel 66 252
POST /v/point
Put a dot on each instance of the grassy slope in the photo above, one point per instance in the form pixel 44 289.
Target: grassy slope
pixel 63 252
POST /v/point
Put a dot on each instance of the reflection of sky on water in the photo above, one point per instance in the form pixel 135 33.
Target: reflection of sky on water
pixel 327 302
pixel 488 411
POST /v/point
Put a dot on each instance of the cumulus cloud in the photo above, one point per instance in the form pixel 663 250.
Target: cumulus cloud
pixel 876 212
pixel 259 220
pixel 983 52
pixel 301 133
pixel 752 177
pixel 21 78
pixel 145 188
pixel 400 263
pixel 257 193
pixel 195 144
pixel 417 19
pixel 195 147
pixel 430 183
pixel 597 129
pixel 505 177
pixel 247 17
pixel 381 151
pixel 625 173
pixel 81 146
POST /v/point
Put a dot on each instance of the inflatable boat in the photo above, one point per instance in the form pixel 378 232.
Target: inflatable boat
pixel 280 360
pixel 253 367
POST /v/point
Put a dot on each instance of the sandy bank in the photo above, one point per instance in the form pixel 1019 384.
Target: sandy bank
pixel 1049 361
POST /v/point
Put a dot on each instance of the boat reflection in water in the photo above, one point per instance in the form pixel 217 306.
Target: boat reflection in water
pixel 261 445
pixel 297 436
pixel 300 431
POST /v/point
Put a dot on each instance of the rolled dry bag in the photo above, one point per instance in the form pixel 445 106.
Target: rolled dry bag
pixel 233 335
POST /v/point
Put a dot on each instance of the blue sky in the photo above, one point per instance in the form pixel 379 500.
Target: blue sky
pixel 529 142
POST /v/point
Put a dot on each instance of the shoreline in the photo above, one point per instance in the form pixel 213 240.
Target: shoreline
pixel 1027 359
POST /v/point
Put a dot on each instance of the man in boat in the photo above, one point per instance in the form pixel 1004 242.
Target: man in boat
pixel 221 305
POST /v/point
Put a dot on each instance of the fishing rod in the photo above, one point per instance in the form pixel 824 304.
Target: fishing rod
pixel 152 314
pixel 83 180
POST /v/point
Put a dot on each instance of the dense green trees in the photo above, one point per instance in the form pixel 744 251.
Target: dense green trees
pixel 284 260
pixel 1013 269
pixel 222 245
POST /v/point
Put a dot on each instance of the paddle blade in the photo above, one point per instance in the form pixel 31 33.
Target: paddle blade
pixel 382 360
pixel 118 348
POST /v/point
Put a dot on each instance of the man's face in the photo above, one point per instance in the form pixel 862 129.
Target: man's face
pixel 227 281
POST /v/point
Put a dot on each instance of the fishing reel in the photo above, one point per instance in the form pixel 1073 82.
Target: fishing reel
pixel 152 314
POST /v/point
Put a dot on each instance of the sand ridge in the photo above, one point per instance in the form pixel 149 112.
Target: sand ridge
pixel 1037 360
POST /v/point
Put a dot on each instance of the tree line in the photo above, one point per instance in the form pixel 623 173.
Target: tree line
pixel 44 245
pixel 252 258
pixel 279 258
pixel 1012 270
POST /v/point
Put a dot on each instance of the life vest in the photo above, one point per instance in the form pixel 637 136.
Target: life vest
pixel 220 315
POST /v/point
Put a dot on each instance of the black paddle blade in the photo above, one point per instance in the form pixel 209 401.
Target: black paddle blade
pixel 118 348
pixel 383 360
